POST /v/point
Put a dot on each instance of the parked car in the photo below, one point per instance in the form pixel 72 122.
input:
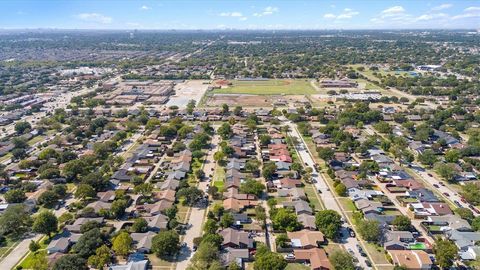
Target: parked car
pixel 446 194
pixel 435 185
pixel 351 232
pixel 442 183
pixel 429 174
pixel 289 256
pixel 458 204
pixel 368 263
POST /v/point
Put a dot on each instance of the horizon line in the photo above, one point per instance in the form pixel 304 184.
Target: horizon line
pixel 231 29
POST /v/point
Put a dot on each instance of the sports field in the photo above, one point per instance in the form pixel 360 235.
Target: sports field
pixel 268 87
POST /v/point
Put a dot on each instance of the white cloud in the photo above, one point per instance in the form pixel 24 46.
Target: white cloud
pixel 231 14
pixel 329 16
pixel 95 17
pixel 442 7
pixel 346 14
pixel 470 12
pixel 243 19
pixel 429 17
pixel 145 7
pixel 267 11
pixel 394 10
pixel 472 9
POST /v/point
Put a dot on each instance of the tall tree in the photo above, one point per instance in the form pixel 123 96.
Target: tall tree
pixel 122 244
pixel 46 223
pixel 445 253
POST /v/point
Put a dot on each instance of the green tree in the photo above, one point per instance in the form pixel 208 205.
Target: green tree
pixel 15 221
pixel 285 220
pixel 122 244
pixel 166 243
pixel 267 260
pixel 452 155
pixel 140 225
pixel 227 220
pixel 206 256
pixel 46 222
pixel 210 226
pixel 341 259
pixel 383 127
pixel 117 210
pixel 192 195
pixel 88 243
pixel 282 240
pixel 225 131
pixel 465 213
pixel 39 261
pixel 369 230
pixel 328 222
pixel 446 171
pixel 48 199
pixel 476 223
pixel 145 189
pixel 101 258
pixel 428 157
pixel 22 126
pixel 325 153
pixel 85 191
pixel 402 223
pixel 251 186
pixel 15 196
pixel 70 262
pixel 341 189
pixel 269 170
pixel 33 246
pixel 445 252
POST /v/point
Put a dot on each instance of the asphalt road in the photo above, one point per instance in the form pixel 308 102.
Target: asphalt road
pixel 328 198
pixel 197 214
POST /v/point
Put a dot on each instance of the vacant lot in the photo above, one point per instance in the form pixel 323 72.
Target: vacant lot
pixel 268 87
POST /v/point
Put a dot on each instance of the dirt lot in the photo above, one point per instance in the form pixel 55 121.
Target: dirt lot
pixel 250 100
pixel 186 91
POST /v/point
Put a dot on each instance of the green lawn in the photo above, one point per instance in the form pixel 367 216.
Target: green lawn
pixel 269 87
pixel 29 261
pixel 8 247
pixel 347 204
pixel 312 197
pixel 219 177
pixel 296 266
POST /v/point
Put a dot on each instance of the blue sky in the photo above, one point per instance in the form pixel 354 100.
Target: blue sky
pixel 239 14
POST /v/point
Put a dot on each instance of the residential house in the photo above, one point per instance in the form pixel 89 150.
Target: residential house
pixel 131 265
pixel 308 221
pixel 236 239
pixel 143 241
pixel 306 239
pixel 237 255
pixel 316 257
pixel 449 223
pixel 398 240
pixel 157 223
pixel 411 259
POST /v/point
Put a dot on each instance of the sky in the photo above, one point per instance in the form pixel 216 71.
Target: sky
pixel 240 14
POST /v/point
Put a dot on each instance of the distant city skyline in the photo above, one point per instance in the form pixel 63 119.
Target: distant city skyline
pixel 223 14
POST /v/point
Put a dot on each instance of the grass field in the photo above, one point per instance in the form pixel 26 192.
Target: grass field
pixel 269 87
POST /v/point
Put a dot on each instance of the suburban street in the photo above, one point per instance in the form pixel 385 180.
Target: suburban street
pixel 328 198
pixel 197 214
pixel 424 175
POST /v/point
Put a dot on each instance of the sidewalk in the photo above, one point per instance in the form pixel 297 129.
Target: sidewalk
pixel 18 252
